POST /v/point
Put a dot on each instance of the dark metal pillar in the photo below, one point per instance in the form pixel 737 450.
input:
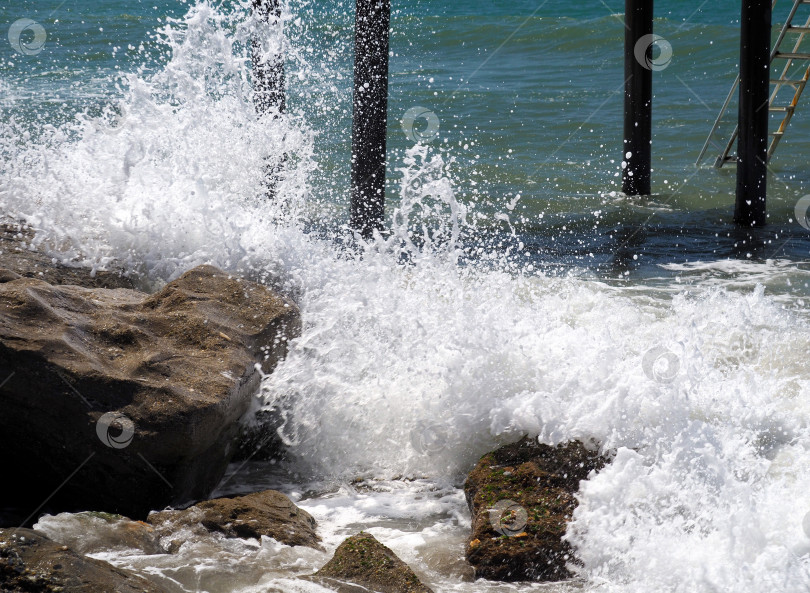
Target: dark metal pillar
pixel 638 19
pixel 268 87
pixel 370 120
pixel 752 144
pixel 268 71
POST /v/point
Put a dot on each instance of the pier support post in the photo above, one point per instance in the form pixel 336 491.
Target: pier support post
pixel 268 71
pixel 370 117
pixel 638 20
pixel 268 86
pixel 752 143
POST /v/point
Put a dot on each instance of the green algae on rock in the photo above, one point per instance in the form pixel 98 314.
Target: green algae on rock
pixel 362 560
pixel 522 497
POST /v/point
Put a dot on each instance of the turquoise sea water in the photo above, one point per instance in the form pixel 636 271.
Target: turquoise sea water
pixel 529 99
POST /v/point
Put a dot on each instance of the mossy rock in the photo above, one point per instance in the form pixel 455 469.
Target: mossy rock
pixel 362 560
pixel 522 497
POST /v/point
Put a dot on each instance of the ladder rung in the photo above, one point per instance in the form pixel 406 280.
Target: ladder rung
pixel 720 161
pixel 791 56
pixel 797 84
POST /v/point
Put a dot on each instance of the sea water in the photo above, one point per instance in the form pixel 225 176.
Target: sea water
pixel 518 291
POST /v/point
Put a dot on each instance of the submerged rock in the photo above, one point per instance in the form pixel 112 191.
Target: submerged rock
pixel 361 563
pixel 522 497
pixel 32 563
pixel 118 401
pixel 267 513
pixel 92 533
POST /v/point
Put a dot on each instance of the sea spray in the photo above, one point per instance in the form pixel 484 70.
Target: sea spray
pixel 169 176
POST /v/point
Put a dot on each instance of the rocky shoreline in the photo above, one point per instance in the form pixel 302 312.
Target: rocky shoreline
pixel 125 408
pixel 139 395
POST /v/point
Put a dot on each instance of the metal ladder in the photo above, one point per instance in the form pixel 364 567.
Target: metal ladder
pixel 798 85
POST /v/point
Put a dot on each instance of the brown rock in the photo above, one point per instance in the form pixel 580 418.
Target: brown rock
pixel 267 513
pixel 19 260
pixel 362 560
pixel 90 532
pixel 32 563
pixel 132 400
pixel 521 497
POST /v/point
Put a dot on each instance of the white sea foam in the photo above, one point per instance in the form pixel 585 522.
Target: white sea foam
pixel 412 364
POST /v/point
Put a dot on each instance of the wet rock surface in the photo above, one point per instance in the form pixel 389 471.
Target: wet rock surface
pixel 522 497
pixel 19 260
pixel 267 513
pixel 132 400
pixel 361 563
pixel 32 563
pixel 91 532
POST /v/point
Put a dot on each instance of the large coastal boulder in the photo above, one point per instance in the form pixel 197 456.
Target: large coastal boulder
pixel 32 563
pixel 362 564
pixel 267 513
pixel 522 497
pixel 115 400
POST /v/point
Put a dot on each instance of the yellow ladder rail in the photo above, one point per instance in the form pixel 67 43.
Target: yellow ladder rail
pixel 799 84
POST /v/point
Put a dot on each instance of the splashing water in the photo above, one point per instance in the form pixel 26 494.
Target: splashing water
pixel 420 353
pixel 171 176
